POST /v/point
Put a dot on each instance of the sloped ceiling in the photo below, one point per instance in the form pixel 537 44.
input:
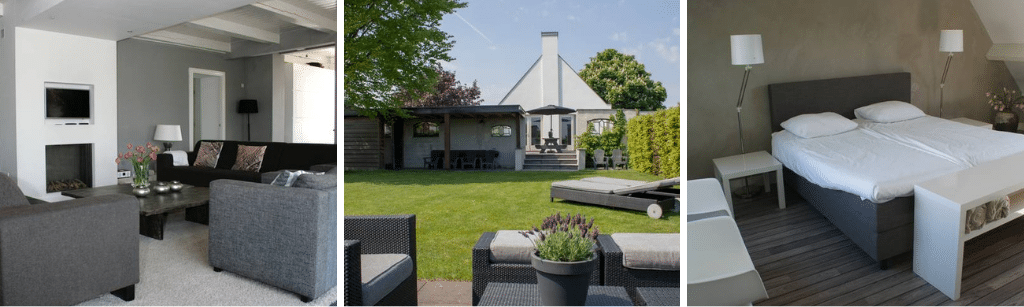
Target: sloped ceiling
pixel 1005 26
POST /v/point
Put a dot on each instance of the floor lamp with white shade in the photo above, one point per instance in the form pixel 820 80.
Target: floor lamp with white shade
pixel 949 41
pixel 746 50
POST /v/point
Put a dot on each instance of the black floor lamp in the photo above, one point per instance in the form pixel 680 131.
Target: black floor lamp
pixel 248 106
pixel 746 50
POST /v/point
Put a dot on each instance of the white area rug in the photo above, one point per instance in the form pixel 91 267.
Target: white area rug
pixel 176 271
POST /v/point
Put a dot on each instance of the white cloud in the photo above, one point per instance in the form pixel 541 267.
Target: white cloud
pixel 665 49
pixel 571 17
pixel 545 13
pixel 449 66
pixel 619 36
pixel 475 29
pixel 675 31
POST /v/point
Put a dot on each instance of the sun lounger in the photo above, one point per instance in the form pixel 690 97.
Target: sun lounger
pixel 651 197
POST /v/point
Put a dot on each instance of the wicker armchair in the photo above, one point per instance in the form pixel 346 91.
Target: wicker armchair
pixel 393 234
pixel 615 274
pixel 485 271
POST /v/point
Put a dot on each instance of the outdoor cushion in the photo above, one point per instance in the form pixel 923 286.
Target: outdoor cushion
pixel 608 180
pixel 649 251
pixel 650 186
pixel 382 273
pixel 586 186
pixel 509 246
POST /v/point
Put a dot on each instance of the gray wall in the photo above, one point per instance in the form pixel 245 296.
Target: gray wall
pixel 152 88
pixel 259 85
pixel 819 39
pixel 467 134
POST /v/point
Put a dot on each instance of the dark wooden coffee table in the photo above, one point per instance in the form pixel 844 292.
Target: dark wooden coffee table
pixel 153 209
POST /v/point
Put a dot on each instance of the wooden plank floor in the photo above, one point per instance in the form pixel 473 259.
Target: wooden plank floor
pixel 804 260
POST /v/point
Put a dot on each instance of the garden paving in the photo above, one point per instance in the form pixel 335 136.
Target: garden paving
pixel 444 293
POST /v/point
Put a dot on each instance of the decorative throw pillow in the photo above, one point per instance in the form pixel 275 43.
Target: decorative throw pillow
pixel 249 158
pixel 287 178
pixel 208 154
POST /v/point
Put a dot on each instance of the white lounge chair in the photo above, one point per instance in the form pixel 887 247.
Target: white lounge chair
pixel 719 270
pixel 704 199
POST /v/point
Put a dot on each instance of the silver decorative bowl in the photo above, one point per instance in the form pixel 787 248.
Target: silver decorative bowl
pixel 176 186
pixel 141 192
pixel 161 188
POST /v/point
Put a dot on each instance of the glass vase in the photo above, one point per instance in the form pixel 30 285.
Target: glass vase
pixel 141 174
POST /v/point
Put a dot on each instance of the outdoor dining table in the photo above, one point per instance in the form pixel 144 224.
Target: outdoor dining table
pixel 438 155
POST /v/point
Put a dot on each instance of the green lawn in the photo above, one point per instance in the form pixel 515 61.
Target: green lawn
pixel 454 208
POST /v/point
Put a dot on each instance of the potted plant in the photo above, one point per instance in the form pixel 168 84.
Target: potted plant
pixel 139 156
pixel 1004 102
pixel 565 258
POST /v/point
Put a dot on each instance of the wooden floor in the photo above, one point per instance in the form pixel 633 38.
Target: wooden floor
pixel 804 260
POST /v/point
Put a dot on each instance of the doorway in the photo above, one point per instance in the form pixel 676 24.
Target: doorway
pixel 206 106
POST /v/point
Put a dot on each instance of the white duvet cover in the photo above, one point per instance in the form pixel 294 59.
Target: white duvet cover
pixel 960 143
pixel 860 162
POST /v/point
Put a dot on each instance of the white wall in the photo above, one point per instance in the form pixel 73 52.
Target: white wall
pixel 313 105
pixel 54 57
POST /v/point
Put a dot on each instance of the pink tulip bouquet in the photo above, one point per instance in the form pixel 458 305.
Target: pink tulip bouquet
pixel 140 156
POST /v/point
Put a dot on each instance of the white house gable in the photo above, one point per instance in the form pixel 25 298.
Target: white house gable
pixel 550 81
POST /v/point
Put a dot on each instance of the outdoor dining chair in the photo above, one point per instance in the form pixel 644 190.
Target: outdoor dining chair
pixel 470 160
pixel 431 162
pixel 488 161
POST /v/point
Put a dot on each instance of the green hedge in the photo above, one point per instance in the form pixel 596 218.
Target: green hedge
pixel 654 143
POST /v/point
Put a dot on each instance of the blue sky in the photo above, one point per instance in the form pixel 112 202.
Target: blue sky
pixel 497 41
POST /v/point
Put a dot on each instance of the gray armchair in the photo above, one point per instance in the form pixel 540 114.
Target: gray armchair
pixel 67 252
pixel 282 236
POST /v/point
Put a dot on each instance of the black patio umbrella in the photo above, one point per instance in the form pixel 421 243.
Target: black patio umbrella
pixel 551 110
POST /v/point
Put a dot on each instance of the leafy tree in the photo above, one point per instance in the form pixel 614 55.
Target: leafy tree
pixel 623 82
pixel 447 92
pixel 607 141
pixel 391 45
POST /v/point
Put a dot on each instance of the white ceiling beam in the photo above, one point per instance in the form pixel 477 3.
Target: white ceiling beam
pixel 238 30
pixel 1 10
pixel 1006 52
pixel 175 38
pixel 303 15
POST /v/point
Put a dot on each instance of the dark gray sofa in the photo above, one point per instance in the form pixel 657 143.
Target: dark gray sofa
pixel 282 236
pixel 278 156
pixel 67 252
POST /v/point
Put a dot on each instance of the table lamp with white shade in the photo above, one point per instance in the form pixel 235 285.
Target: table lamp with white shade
pixel 746 50
pixel 949 41
pixel 167 134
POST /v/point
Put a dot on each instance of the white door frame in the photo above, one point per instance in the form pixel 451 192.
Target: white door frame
pixel 192 72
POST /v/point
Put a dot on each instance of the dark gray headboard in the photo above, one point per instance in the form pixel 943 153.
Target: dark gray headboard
pixel 840 95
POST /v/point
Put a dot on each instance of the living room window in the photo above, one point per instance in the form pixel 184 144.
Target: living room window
pixel 426 129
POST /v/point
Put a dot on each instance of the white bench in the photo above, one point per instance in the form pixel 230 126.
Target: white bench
pixel 704 198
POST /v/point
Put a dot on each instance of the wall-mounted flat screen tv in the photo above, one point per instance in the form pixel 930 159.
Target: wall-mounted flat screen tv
pixel 68 101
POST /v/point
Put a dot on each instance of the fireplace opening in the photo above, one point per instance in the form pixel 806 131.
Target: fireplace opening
pixel 68 167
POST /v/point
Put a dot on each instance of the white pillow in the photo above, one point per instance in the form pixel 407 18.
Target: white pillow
pixel 888 111
pixel 821 124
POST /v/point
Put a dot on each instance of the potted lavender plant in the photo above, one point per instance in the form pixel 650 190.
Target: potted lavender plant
pixel 565 258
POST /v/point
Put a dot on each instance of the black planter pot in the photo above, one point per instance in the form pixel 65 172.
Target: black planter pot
pixel 563 283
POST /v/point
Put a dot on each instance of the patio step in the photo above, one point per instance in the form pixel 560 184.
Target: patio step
pixel 551 162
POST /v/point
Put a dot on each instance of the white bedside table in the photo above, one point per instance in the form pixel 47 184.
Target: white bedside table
pixel 754 163
pixel 968 121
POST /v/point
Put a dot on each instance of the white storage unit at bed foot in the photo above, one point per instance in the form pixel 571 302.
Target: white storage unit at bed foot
pixel 941 217
pixel 719 270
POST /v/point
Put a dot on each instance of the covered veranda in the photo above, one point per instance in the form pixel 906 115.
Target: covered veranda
pixel 451 130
